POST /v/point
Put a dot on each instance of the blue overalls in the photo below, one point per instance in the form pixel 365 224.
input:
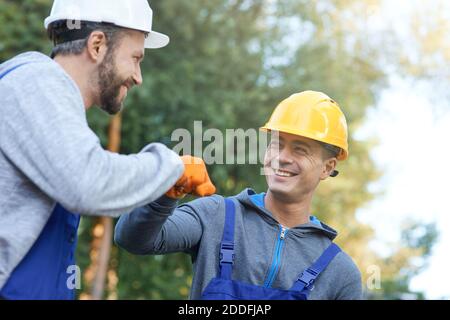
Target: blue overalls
pixel 222 287
pixel 42 273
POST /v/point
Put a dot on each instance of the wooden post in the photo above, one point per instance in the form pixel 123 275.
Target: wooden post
pixel 103 230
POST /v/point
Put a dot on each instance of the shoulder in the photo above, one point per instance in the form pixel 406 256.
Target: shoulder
pixel 40 89
pixel 346 266
pixel 36 73
pixel 28 63
pixel 347 277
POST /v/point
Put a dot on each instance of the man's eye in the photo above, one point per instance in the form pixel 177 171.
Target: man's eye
pixel 277 147
pixel 274 144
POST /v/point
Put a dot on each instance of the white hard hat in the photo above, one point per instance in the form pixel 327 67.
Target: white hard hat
pixel 132 14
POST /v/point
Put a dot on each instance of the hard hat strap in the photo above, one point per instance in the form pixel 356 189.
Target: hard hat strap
pixel 84 29
pixel 71 35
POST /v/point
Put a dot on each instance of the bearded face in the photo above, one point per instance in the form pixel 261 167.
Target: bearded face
pixel 113 87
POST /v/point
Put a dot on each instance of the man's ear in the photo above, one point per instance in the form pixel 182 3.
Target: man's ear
pixel 96 46
pixel 328 168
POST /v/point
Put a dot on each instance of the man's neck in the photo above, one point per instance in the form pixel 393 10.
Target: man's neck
pixel 289 213
pixel 79 75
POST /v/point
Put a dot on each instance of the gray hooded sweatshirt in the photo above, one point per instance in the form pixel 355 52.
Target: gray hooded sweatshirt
pixel 48 154
pixel 197 227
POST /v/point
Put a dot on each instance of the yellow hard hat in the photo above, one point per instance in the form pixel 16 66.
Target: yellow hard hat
pixel 313 115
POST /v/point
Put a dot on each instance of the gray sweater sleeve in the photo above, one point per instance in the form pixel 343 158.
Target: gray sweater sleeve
pixel 161 227
pixel 351 291
pixel 44 133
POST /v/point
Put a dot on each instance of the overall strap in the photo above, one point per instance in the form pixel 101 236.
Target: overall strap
pixel 305 281
pixel 227 244
pixel 12 69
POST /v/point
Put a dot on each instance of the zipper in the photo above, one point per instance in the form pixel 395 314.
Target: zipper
pixel 276 257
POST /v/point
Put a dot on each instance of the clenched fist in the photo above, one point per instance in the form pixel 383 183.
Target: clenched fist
pixel 195 180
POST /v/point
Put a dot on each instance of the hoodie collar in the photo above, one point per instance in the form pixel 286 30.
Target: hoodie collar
pixel 310 227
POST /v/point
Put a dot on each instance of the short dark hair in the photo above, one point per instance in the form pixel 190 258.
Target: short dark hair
pixel 73 41
pixel 330 151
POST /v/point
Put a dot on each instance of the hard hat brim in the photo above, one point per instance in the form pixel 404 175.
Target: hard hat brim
pixel 343 155
pixel 156 40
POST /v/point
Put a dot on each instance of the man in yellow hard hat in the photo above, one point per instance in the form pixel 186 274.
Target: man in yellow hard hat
pixel 267 245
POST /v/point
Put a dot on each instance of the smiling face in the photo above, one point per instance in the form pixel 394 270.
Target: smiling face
pixel 295 165
pixel 120 70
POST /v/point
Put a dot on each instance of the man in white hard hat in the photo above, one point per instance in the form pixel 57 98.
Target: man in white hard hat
pixel 51 163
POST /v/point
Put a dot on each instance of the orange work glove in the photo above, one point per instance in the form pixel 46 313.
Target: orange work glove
pixel 195 180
